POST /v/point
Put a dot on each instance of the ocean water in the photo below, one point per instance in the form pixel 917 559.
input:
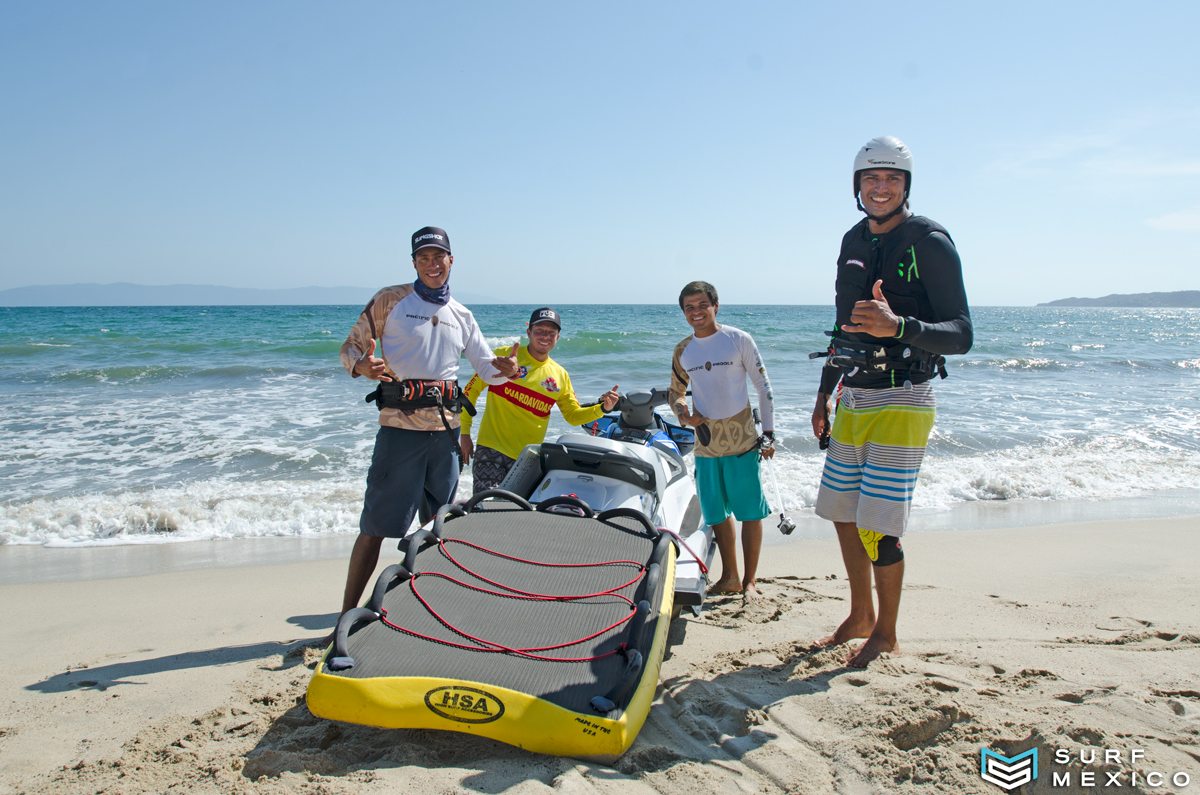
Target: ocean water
pixel 133 425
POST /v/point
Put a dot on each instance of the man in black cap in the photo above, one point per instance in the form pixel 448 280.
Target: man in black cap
pixel 517 411
pixel 422 334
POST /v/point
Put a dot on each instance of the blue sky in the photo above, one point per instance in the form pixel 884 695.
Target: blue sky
pixel 600 152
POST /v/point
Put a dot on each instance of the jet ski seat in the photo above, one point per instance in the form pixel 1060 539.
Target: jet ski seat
pixel 596 455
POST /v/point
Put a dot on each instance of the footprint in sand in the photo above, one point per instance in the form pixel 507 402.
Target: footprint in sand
pixel 1144 638
pixel 1086 695
pixel 941 684
pixel 1031 677
pixel 1177 700
pixel 1073 698
pixel 1007 602
pixel 1176 693
pixel 648 759
pixel 1087 736
pixel 1124 624
pixel 925 729
pixel 734 611
pixel 712 716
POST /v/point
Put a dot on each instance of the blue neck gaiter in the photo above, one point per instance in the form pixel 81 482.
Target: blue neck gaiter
pixel 440 296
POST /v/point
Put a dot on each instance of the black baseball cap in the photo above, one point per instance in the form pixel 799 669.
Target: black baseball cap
pixel 545 315
pixel 428 236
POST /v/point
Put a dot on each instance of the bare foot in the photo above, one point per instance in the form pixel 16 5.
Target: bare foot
pixel 871 650
pixel 724 586
pixel 750 593
pixel 849 629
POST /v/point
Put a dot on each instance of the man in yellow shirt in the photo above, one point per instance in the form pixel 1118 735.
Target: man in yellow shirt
pixel 517 412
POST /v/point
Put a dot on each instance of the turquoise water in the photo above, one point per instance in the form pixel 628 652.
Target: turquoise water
pixel 152 424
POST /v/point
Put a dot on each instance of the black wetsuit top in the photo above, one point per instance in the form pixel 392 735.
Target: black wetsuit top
pixel 922 281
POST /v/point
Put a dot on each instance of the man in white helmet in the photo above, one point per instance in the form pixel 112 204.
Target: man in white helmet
pixel 901 308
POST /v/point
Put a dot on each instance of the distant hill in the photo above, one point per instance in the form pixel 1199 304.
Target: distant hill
pixel 1180 298
pixel 126 294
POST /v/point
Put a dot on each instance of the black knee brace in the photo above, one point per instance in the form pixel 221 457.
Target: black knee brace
pixel 883 550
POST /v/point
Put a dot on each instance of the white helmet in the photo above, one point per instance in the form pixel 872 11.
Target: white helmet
pixel 886 151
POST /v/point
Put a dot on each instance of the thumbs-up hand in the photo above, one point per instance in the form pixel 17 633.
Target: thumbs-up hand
pixel 371 366
pixel 609 399
pixel 507 365
pixel 874 317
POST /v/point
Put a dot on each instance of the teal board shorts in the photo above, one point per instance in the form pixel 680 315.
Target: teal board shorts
pixel 730 484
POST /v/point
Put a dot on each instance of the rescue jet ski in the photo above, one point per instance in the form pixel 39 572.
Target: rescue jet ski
pixel 536 613
pixel 630 458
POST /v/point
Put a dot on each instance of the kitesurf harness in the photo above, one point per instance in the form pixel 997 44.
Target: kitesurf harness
pixel 416 393
pixel 902 361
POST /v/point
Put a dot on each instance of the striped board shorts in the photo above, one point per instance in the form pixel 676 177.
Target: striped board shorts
pixel 875 451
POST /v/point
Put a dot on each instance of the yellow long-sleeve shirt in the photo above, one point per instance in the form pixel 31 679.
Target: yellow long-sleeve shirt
pixel 517 412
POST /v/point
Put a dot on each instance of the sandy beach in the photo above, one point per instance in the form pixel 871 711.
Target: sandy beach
pixel 1073 638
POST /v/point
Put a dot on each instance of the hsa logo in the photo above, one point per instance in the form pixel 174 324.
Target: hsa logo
pixel 1008 772
pixel 464 704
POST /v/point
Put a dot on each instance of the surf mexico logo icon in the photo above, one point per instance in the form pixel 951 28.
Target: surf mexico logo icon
pixel 1008 772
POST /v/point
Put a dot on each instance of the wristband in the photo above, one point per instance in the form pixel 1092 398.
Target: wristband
pixel 900 330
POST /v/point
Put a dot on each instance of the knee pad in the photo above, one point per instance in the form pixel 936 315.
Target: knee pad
pixel 883 550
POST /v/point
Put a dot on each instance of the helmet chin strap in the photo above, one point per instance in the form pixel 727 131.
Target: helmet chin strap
pixel 880 219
